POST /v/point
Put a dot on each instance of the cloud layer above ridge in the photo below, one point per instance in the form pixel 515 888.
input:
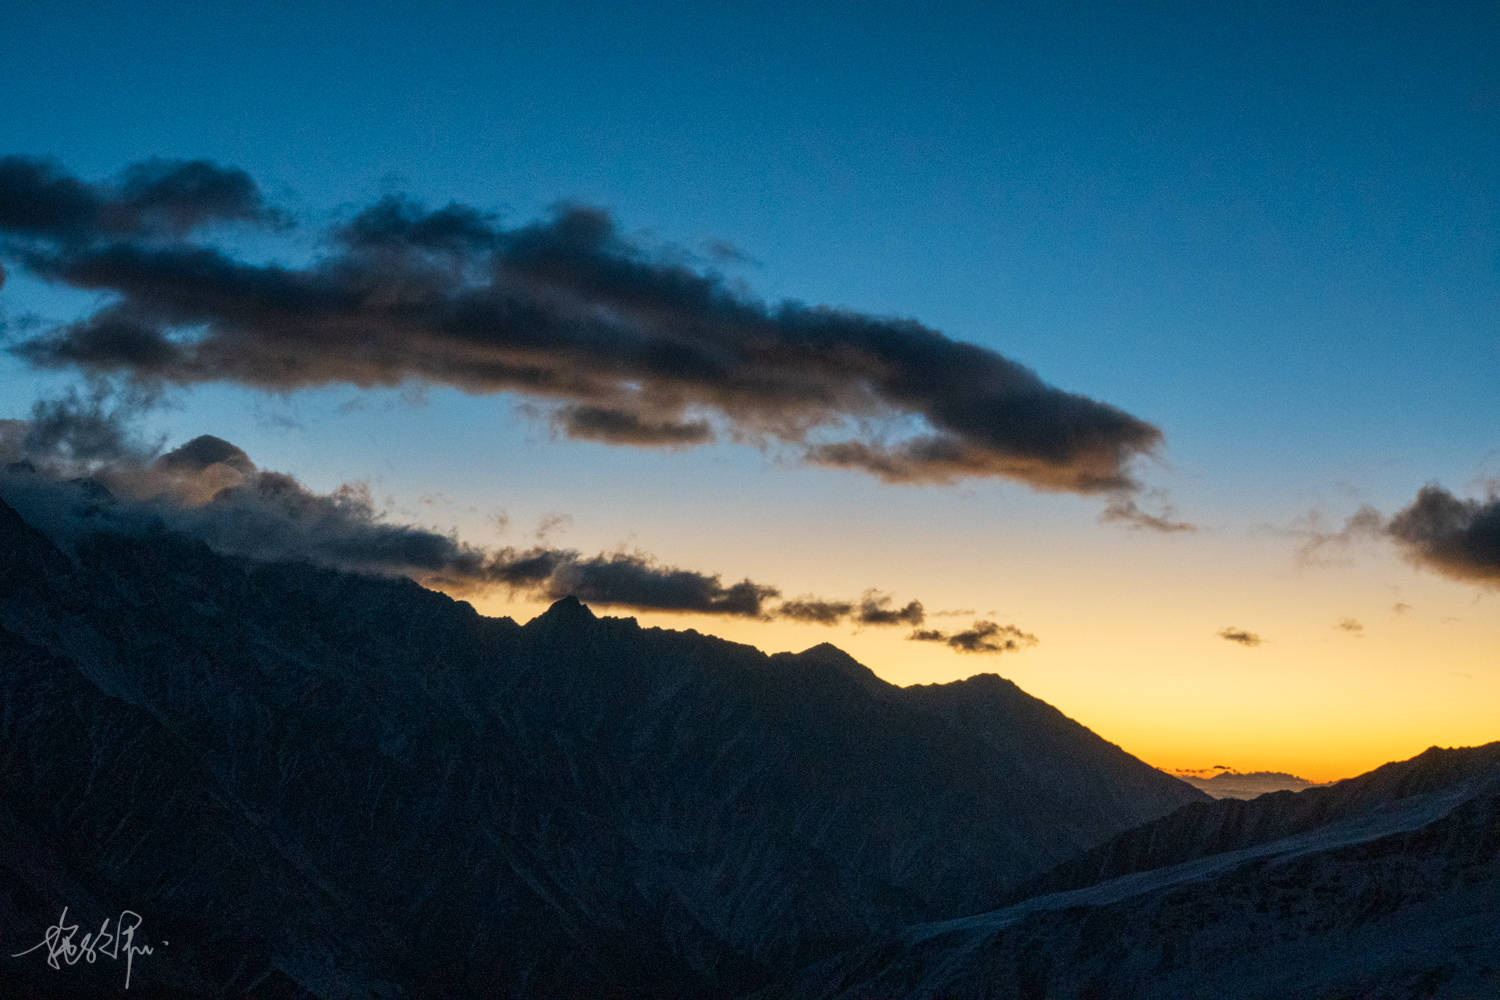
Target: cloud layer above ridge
pixel 76 466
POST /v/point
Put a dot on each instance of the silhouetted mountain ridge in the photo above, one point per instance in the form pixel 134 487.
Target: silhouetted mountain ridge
pixel 320 784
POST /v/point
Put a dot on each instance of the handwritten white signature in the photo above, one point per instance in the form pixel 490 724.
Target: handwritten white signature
pixel 60 944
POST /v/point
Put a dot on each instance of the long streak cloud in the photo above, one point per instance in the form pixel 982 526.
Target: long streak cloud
pixel 627 347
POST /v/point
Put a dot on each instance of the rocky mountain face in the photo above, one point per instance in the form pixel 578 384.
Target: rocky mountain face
pixel 308 783
pixel 1203 829
pixel 1382 887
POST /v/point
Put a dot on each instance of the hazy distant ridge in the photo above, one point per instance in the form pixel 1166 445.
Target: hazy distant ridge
pixel 1235 785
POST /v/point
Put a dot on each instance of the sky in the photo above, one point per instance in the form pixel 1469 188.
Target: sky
pixel 1151 349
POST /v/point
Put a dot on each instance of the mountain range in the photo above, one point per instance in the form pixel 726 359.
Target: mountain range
pixel 308 783
pixel 311 783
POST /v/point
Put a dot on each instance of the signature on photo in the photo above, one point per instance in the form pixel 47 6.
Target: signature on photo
pixel 62 948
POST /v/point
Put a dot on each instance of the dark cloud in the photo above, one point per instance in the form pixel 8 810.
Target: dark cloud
pixel 1123 510
pixel 108 337
pixel 154 198
pixel 271 516
pixel 1350 625
pixel 76 468
pixel 1401 607
pixel 635 349
pixel 1455 537
pixel 875 609
pixel 811 609
pixel 611 426
pixel 1240 636
pixel 636 581
pixel 981 637
pixel 989 637
pixel 89 426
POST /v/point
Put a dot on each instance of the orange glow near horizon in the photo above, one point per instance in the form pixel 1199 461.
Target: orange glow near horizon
pixel 1313 700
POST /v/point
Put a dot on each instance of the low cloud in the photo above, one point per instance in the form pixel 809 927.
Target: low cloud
pixel 239 509
pixel 1352 626
pixel 88 426
pixel 633 580
pixel 876 609
pixel 872 609
pixel 628 346
pixel 815 611
pixel 982 637
pixel 76 468
pixel 1240 636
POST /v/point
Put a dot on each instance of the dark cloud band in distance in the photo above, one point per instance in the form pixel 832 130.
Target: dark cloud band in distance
pixel 77 467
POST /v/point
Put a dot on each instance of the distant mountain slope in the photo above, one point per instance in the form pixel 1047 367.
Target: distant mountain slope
pixel 1391 890
pixel 1207 828
pixel 1233 785
pixel 317 784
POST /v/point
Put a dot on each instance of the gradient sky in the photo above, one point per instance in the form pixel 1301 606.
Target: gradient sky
pixel 1271 230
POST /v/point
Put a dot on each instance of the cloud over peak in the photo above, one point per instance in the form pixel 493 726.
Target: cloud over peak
pixel 76 467
pixel 632 348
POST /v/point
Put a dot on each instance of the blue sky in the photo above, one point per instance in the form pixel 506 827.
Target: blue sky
pixel 1271 230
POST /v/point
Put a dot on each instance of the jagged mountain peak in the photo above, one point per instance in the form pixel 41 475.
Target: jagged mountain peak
pixel 826 654
pixel 987 683
pixel 566 612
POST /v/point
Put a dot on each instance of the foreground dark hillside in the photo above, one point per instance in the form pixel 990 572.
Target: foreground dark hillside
pixel 312 783
pixel 1382 887
pixel 1203 829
